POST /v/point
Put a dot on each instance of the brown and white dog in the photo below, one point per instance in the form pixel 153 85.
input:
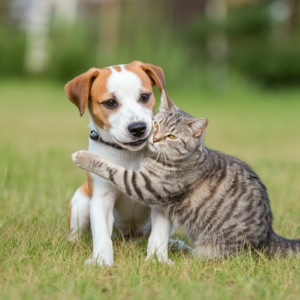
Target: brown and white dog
pixel 120 100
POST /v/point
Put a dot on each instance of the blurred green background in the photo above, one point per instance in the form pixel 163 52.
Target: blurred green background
pixel 195 41
pixel 236 62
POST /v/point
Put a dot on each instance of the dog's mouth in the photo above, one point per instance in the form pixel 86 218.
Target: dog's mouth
pixel 132 144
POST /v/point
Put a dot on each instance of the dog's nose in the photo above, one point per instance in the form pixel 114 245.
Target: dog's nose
pixel 137 129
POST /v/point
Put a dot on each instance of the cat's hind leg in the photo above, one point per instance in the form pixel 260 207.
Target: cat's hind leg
pixel 216 247
pixel 181 246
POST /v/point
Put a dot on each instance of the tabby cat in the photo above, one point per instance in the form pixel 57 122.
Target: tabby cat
pixel 219 199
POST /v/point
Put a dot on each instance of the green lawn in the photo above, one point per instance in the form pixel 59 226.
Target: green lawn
pixel 40 129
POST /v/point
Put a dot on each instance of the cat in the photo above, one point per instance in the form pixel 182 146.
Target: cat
pixel 218 199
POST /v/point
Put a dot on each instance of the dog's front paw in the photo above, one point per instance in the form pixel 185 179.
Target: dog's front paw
pixel 91 262
pixel 82 159
pixel 99 262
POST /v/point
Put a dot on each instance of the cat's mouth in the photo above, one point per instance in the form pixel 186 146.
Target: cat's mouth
pixel 152 147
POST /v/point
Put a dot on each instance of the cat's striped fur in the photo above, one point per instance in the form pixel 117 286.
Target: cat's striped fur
pixel 219 199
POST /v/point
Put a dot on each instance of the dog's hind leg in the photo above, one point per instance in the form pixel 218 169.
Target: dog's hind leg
pixel 79 215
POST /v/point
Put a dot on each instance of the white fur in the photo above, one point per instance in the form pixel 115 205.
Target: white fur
pixel 158 243
pixel 127 87
pixel 80 214
pixel 108 206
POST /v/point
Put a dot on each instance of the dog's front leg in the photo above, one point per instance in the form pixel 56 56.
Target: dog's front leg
pixel 159 237
pixel 102 219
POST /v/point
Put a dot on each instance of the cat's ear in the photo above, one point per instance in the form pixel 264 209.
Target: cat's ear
pixel 198 126
pixel 166 102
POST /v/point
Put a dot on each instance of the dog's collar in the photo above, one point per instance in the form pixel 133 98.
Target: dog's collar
pixel 95 136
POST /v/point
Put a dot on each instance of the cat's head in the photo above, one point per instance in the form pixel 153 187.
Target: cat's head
pixel 175 132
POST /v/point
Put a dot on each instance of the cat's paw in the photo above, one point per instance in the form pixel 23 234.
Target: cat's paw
pixel 82 159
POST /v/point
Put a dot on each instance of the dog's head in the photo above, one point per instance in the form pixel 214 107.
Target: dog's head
pixel 120 100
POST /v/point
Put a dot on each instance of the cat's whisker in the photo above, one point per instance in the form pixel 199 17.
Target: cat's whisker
pixel 158 156
pixel 172 162
pixel 165 160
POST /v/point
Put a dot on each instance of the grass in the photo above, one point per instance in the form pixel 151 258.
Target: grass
pixel 40 129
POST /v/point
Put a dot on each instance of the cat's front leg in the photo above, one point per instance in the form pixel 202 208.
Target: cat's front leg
pixel 135 184
pixel 89 162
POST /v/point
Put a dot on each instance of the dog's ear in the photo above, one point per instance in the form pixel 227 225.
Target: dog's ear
pixel 156 75
pixel 78 89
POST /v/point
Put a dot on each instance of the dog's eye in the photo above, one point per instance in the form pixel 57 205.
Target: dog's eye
pixel 156 125
pixel 110 103
pixel 172 137
pixel 145 98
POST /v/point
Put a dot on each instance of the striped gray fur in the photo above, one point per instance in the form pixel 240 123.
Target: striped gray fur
pixel 219 199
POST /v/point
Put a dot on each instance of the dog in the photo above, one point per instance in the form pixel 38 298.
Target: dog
pixel 121 102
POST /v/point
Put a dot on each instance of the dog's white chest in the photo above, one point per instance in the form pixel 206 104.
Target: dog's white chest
pixel 129 215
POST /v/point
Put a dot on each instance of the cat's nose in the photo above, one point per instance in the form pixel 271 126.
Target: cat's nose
pixel 155 140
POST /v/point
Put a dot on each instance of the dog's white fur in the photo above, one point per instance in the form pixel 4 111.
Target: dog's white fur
pixel 108 205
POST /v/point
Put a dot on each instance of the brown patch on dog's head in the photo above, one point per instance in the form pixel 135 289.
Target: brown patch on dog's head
pixel 154 73
pixel 150 75
pixel 99 94
pixel 78 89
pixel 90 89
pixel 117 68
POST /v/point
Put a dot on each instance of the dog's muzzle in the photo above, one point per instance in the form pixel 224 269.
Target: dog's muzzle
pixel 137 129
pixel 133 144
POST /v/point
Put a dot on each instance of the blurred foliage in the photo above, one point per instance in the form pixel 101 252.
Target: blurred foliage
pixel 271 62
pixel 246 21
pixel 260 50
pixel 73 49
pixel 258 47
pixel 250 21
pixel 12 51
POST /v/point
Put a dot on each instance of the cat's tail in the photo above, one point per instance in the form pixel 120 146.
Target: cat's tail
pixel 279 245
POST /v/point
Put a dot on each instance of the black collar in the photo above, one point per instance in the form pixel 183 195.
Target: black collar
pixel 95 136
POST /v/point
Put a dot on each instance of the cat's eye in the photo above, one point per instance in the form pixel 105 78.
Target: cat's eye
pixel 172 137
pixel 156 125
